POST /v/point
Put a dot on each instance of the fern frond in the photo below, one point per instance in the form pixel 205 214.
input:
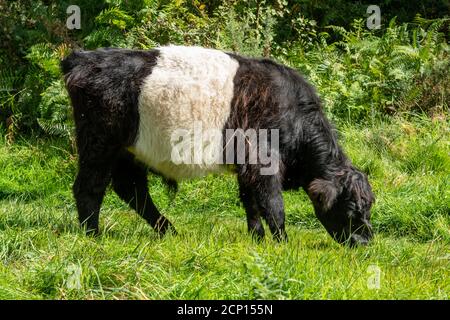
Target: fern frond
pixel 55 129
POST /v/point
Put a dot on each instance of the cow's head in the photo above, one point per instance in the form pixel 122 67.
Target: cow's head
pixel 342 204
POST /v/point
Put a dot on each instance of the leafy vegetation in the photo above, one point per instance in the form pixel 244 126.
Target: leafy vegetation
pixel 361 74
pixel 386 90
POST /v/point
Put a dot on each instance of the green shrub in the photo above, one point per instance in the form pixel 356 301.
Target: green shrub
pixel 364 75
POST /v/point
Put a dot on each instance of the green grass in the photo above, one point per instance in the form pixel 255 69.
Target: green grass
pixel 44 254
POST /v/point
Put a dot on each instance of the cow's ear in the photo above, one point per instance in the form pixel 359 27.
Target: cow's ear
pixel 323 193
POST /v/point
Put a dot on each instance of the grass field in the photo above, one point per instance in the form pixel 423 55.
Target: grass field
pixel 44 254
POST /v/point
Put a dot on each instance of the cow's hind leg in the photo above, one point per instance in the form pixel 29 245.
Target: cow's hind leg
pixel 129 180
pixel 89 190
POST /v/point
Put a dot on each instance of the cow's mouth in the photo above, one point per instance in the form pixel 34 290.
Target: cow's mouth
pixel 361 237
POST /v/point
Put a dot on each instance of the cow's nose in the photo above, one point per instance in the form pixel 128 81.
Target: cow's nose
pixel 357 239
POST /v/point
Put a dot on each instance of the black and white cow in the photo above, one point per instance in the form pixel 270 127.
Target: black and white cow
pixel 128 104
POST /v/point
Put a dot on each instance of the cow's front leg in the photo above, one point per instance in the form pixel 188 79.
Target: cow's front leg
pixel 255 227
pixel 268 199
